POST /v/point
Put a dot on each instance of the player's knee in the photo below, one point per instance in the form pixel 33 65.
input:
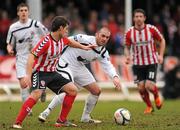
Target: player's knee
pixel 73 91
pixel 22 84
pixel 149 84
pixel 36 94
pixel 96 91
pixel 70 89
pixel 141 86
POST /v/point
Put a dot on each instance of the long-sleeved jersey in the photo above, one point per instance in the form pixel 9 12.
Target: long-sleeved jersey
pixel 78 57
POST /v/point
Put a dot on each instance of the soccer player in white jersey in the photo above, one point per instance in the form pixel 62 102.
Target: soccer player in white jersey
pixel 143 39
pixel 22 36
pixel 72 66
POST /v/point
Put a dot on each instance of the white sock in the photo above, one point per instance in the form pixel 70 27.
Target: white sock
pixel 89 106
pixel 24 94
pixel 58 99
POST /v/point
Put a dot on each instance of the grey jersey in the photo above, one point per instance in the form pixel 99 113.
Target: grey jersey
pixel 23 36
pixel 78 57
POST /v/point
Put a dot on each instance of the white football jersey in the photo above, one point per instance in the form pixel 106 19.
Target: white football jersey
pixel 77 57
pixel 24 36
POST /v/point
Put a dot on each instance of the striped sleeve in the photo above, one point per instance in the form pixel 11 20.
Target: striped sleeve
pixel 41 47
pixel 127 38
pixel 66 41
pixel 156 33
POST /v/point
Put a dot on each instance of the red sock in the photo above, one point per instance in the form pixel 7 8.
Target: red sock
pixel 145 96
pixel 66 107
pixel 154 90
pixel 26 107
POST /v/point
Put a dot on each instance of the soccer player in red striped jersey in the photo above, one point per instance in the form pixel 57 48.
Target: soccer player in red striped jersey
pixel 141 40
pixel 41 68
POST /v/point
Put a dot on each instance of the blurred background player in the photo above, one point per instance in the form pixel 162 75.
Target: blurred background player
pixel 143 39
pixel 22 36
pixel 72 66
pixel 41 67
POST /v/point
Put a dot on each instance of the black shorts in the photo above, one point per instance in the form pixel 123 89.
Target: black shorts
pixel 52 80
pixel 145 72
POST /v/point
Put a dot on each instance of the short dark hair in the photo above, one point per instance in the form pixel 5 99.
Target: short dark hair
pixel 57 22
pixel 139 11
pixel 22 5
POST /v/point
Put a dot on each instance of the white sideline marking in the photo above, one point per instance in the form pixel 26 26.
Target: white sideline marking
pixel 8 87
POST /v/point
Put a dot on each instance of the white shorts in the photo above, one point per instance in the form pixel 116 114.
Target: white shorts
pixel 21 67
pixel 80 75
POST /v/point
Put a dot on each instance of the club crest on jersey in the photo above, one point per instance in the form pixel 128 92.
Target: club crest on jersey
pixel 32 34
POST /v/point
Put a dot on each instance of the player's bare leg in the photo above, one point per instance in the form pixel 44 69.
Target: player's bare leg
pixel 25 92
pixel 145 96
pixel 154 90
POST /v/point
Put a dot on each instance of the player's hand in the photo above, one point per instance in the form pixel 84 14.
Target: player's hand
pixel 128 60
pixel 10 49
pixel 89 47
pixel 117 83
pixel 160 59
pixel 26 81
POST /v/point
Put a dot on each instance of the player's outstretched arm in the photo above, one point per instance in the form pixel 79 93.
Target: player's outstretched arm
pixel 76 44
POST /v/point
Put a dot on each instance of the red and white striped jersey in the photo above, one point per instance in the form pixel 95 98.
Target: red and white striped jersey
pixel 143 44
pixel 48 52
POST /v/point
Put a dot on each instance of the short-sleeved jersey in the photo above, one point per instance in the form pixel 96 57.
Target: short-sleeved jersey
pixel 143 44
pixel 24 36
pixel 47 53
pixel 78 57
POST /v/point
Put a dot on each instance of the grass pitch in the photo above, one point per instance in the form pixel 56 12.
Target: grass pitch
pixel 168 118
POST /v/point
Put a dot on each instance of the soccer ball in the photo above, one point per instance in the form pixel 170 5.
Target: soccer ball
pixel 122 116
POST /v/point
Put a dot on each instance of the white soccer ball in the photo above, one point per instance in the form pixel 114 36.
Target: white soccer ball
pixel 122 116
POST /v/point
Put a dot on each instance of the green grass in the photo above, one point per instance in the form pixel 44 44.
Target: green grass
pixel 168 118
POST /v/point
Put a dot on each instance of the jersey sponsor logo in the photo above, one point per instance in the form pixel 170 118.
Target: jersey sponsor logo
pixel 53 57
pixel 21 40
pixel 79 58
pixel 141 43
pixel 27 39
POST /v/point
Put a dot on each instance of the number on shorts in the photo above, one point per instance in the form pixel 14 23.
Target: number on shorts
pixel 151 75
